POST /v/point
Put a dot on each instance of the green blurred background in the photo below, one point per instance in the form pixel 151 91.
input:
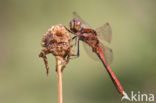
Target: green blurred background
pixel 22 73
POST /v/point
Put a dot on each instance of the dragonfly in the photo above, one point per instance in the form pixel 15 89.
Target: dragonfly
pixel 84 32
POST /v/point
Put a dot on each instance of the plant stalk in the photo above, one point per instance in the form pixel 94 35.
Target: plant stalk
pixel 59 77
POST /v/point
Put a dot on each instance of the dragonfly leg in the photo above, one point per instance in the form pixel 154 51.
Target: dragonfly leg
pixel 75 37
pixel 78 49
pixel 77 42
pixel 69 30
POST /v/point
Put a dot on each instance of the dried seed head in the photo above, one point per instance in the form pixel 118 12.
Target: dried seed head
pixel 57 39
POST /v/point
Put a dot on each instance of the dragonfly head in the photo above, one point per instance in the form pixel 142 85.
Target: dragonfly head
pixel 75 25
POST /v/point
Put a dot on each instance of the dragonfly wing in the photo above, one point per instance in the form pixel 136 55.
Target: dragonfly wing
pixel 105 32
pixel 84 24
pixel 90 52
pixel 108 53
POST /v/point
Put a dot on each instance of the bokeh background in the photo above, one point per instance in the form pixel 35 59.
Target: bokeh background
pixel 22 73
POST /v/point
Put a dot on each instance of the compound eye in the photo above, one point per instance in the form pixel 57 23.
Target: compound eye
pixel 78 23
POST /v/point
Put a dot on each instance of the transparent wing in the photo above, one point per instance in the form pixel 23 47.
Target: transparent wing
pixel 84 24
pixel 90 52
pixel 105 32
pixel 108 54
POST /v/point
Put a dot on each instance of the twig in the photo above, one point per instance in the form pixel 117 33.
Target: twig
pixel 59 77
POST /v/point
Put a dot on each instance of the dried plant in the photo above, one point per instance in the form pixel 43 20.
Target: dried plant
pixel 57 41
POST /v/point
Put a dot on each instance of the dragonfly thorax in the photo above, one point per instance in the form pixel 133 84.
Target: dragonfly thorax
pixel 75 25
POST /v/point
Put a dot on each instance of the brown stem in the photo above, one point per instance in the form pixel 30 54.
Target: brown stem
pixel 59 77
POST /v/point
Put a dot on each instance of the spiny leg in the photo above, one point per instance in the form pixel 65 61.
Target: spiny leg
pixel 78 49
pixel 74 37
pixel 76 40
pixel 43 54
pixel 68 30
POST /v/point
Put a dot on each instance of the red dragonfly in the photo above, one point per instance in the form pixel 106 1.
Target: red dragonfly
pixel 88 35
